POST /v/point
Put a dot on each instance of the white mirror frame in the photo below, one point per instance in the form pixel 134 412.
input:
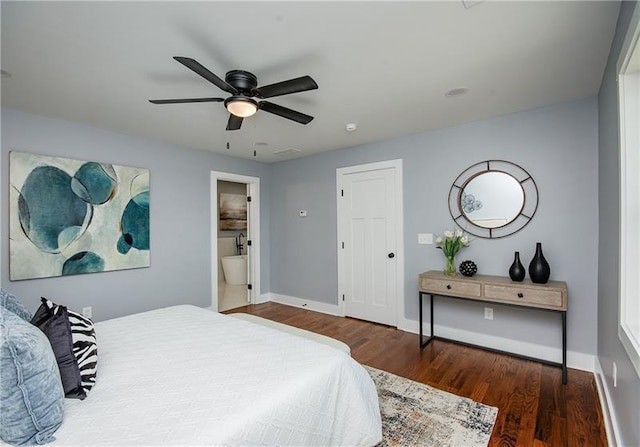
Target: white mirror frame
pixel 529 205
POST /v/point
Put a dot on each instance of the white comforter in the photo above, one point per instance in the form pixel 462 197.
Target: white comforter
pixel 188 376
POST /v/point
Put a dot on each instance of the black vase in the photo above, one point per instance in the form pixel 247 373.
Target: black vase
pixel 539 269
pixel 516 271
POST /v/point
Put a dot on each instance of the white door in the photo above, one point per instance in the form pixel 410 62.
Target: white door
pixel 247 245
pixel 369 243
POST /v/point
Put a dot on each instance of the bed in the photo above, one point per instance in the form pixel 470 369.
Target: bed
pixel 187 376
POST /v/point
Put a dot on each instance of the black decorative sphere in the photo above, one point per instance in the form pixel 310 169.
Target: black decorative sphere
pixel 468 268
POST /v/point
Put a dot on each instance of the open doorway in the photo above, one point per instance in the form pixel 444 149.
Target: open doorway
pixel 235 252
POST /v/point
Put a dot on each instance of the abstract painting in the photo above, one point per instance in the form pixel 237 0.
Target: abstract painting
pixel 233 212
pixel 69 217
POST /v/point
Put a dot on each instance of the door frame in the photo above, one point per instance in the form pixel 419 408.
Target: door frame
pixel 253 184
pixel 341 173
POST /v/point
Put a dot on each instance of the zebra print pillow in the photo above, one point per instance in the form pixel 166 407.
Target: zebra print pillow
pixel 85 349
pixel 73 339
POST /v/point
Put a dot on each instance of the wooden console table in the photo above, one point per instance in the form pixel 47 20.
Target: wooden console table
pixel 551 296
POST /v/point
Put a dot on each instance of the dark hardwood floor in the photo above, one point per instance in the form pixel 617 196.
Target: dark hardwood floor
pixel 534 408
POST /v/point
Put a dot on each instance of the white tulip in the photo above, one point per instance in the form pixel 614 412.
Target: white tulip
pixel 459 233
pixel 439 240
pixel 464 240
pixel 448 234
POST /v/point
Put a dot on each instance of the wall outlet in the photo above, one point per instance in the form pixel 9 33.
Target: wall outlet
pixel 488 313
pixel 615 375
pixel 87 312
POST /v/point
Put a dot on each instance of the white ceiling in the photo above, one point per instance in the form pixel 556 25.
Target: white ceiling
pixel 383 65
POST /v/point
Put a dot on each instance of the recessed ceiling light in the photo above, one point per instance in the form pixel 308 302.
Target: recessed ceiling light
pixel 351 127
pixel 456 92
pixel 4 74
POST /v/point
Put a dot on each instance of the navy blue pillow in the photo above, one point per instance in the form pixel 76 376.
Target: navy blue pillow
pixel 54 322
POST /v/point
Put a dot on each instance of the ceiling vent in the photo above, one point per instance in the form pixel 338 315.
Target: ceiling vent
pixel 286 152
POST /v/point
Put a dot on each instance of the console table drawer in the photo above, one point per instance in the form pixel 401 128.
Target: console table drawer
pixel 542 297
pixel 455 288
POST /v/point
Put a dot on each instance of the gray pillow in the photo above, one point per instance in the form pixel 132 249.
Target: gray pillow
pixel 10 302
pixel 31 395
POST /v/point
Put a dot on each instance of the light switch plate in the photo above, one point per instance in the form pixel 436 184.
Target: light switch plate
pixel 425 238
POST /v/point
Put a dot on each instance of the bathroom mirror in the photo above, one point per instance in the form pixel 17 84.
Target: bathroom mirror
pixel 493 199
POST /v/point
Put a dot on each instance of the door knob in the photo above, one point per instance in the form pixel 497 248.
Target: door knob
pixel 391 255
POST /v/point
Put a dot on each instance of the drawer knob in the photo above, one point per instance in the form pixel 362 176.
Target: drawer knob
pixel 448 286
pixel 520 295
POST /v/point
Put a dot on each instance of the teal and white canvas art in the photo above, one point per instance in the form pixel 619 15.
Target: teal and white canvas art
pixel 69 217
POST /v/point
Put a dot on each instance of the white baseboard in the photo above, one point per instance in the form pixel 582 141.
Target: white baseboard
pixel 264 298
pixel 331 309
pixel 577 360
pixel 608 413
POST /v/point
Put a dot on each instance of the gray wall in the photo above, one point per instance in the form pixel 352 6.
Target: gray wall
pixel 181 226
pixel 557 145
pixel 626 396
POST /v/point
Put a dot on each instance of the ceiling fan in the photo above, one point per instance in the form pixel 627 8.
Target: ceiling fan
pixel 242 86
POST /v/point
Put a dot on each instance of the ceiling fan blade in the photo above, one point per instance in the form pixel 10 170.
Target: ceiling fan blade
pixel 180 101
pixel 234 122
pixel 296 85
pixel 198 68
pixel 285 112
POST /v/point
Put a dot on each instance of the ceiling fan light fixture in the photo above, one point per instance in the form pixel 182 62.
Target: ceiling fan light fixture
pixel 241 106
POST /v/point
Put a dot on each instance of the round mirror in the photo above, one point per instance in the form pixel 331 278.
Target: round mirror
pixel 493 198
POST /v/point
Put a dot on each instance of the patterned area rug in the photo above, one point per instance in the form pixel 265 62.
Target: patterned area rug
pixel 415 414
